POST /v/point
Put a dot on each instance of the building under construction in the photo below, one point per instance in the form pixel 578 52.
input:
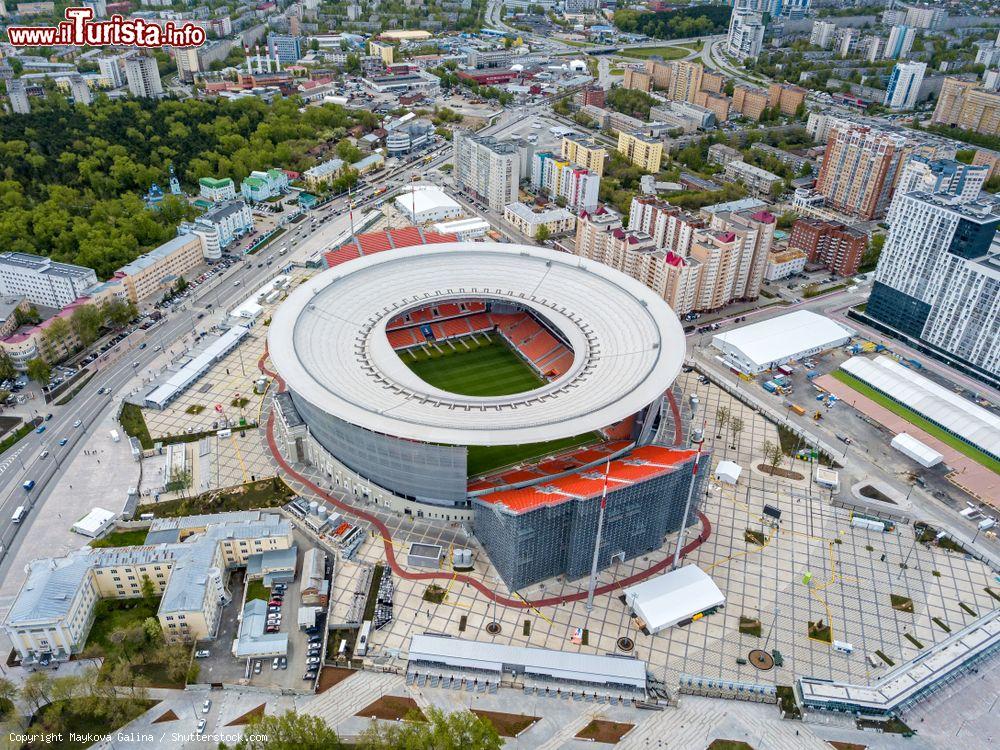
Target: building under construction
pixel 539 532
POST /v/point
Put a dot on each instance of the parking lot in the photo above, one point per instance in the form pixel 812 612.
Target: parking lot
pixel 222 667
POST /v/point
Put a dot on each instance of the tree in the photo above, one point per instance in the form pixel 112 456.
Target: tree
pixel 39 370
pixel 353 64
pixel 736 425
pixel 8 694
pixel 7 369
pixel 54 336
pixel 721 418
pixel 86 322
pixel 147 588
pixel 290 731
pixel 772 455
pixel 180 285
pixel 542 234
pixel 36 689
pixel 119 312
pixel 461 730
pixel 561 201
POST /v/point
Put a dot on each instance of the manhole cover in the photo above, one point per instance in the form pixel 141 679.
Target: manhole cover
pixel 493 628
pixel 761 659
pixel 625 644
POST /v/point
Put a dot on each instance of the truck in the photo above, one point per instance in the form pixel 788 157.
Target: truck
pixel 812 374
pixel 797 409
pixel 770 386
pixel 115 437
pixel 19 513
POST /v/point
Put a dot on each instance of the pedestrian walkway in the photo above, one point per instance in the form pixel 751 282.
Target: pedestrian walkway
pixel 346 698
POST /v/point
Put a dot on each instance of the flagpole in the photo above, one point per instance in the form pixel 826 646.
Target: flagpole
pixel 597 541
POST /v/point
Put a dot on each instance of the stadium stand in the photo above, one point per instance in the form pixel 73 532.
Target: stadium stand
pixel 549 466
pixel 387 239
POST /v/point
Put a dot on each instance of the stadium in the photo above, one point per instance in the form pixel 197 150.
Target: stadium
pixel 457 377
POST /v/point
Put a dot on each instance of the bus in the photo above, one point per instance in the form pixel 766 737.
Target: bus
pixel 361 647
pixel 19 513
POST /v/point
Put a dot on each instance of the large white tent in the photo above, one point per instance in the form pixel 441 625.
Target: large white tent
pixel 920 452
pixel 728 472
pixel 668 599
pixel 772 342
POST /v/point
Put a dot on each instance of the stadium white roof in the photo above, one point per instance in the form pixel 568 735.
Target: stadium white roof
pixel 949 410
pixel 776 340
pixel 328 343
pixel 536 662
pixel 664 601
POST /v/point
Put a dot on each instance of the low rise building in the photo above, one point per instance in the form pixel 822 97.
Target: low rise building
pixel 785 263
pixel 323 173
pixel 528 220
pixel 260 186
pixel 215 190
pixel 758 181
pixel 427 203
pixel 720 153
pixel 220 226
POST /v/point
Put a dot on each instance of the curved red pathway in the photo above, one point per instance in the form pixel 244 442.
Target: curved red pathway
pixel 390 553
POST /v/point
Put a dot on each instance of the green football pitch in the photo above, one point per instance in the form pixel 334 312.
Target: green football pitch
pixel 489 368
pixel 486 368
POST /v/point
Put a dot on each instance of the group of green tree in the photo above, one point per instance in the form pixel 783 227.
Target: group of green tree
pixel 679 23
pixel 71 176
pixel 434 730
pixel 631 102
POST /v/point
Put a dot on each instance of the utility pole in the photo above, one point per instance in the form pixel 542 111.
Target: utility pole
pixel 597 540
pixel 697 438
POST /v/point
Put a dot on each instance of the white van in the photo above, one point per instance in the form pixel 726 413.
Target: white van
pixel 843 647
pixel 19 513
pixel 115 437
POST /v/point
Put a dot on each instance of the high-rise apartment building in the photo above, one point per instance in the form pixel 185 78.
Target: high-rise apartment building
pixel 969 106
pixel 670 227
pixel 786 97
pixel 746 32
pixel 749 102
pixel 926 16
pixel 923 174
pixel 592 95
pixel 686 80
pixel 489 169
pixel 904 85
pixel 586 152
pixel 938 279
pixel 859 169
pixel 822 34
pixel 560 177
pixel 111 71
pixel 143 76
pixel 900 42
pixel 754 236
pixel 836 247
pixel 18 96
pixel 642 150
pixel 637 80
pixel 79 89
pixel 187 62
pixel 846 41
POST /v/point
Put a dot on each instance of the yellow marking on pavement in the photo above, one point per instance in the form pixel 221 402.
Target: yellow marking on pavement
pixel 755 548
pixel 239 455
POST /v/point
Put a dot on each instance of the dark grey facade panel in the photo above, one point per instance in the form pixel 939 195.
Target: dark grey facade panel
pixel 899 310
pixel 435 474
pixel 530 547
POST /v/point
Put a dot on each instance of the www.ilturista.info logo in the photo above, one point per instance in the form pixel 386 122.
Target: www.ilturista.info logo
pixel 80 30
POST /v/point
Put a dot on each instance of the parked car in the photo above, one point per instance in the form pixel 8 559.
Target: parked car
pixel 201 726
pixel 256 667
pixel 283 662
pixel 206 706
pixel 203 653
pixel 77 423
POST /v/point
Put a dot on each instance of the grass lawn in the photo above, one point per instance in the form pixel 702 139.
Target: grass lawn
pixel 913 418
pixel 78 722
pixel 257 590
pixel 19 433
pixel 491 369
pixel 134 424
pixel 126 538
pixel 667 53
pixel 112 614
pixel 729 745
pixel 750 625
pixel 483 458
pixel 264 493
pixel 901 603
pixel 609 732
pixel 507 725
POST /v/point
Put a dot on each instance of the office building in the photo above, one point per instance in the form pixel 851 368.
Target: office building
pixel 386 52
pixel 220 226
pixel 900 42
pixel 17 94
pixel 111 71
pixel 153 273
pixel 215 190
pixel 938 279
pixel 259 186
pixel 43 281
pixel 836 247
pixel 489 58
pixel 143 76
pixel 969 106
pixel 284 48
pixel 904 85
pixel 643 151
pixel 746 33
pixel 859 169
pixel 486 168
pixel 528 220
pixel 187 561
pixel 585 152
pixel 922 174
pixel 822 34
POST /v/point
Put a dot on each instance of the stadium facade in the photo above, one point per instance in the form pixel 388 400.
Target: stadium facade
pixel 603 349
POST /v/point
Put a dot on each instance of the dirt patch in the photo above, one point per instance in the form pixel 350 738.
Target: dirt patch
pixel 847 745
pixel 168 716
pixel 507 725
pixel 609 732
pixel 776 471
pixel 873 493
pixel 820 631
pixel 393 708
pixel 330 676
pixel 901 603
pixel 750 625
pixel 754 537
pixel 243 720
